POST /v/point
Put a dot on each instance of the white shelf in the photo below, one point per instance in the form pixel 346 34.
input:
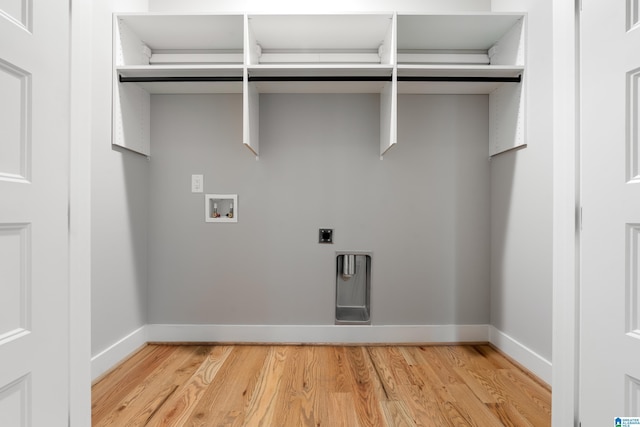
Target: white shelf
pixel 336 34
pixel 383 53
pixel 320 78
pixel 320 87
pixel 203 33
pixel 180 70
pixel 447 88
pixel 322 70
pixel 460 70
pixel 451 32
pixel 487 78
pixel 168 78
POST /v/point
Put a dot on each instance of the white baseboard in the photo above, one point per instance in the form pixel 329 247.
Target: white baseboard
pixel 321 334
pixel 528 358
pixel 116 353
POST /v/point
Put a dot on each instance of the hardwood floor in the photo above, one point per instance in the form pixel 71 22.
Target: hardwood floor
pixel 167 385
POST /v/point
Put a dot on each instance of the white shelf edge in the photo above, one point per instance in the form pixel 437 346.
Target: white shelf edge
pixel 448 88
pixel 405 70
pixel 346 87
pixel 185 88
pixel 291 70
pixel 179 70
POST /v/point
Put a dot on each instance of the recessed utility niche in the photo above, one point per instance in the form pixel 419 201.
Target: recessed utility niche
pixel 221 207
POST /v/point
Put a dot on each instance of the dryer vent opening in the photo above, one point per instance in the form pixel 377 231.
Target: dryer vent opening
pixel 353 288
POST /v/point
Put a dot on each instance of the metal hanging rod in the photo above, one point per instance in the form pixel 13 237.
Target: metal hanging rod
pixel 517 79
pixel 234 79
pixel 226 79
pixel 320 78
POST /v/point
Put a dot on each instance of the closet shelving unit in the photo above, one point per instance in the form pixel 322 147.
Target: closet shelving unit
pixel 339 53
pixel 383 53
pixel 170 54
pixel 468 54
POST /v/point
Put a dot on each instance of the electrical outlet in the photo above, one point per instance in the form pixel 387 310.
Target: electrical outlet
pixel 325 235
pixel 197 183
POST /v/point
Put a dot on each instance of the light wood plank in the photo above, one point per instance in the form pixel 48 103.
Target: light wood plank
pixel 508 415
pixel 424 407
pixel 262 407
pixel 110 391
pixel 397 415
pixel 367 389
pixel 290 400
pixel 440 365
pixel 527 397
pixel 392 369
pixel 182 403
pixel 339 370
pixel 143 401
pixel 344 405
pixel 407 353
pixel 234 385
pixel 471 408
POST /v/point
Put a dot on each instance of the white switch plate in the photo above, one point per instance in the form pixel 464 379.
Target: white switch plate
pixel 197 183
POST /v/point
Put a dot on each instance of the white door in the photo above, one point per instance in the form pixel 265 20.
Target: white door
pixel 610 238
pixel 34 260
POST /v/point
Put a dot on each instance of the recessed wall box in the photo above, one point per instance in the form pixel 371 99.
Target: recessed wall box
pixel 353 288
pixel 221 207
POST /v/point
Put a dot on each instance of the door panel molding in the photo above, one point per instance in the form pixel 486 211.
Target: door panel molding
pixel 633 18
pixel 19 12
pixel 633 279
pixel 633 119
pixel 15 121
pixel 15 294
pixel 15 402
pixel 632 405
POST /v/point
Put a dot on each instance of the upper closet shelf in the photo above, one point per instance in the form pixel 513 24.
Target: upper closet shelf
pixel 143 39
pixel 349 71
pixel 320 39
pixel 470 34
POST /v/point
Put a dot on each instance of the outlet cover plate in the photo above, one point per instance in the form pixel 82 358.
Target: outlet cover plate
pixel 325 235
pixel 197 183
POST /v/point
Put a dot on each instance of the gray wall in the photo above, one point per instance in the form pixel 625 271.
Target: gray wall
pixel 520 208
pixel 424 211
pixel 521 205
pixel 119 206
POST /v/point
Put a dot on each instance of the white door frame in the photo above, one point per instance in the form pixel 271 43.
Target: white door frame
pixel 566 170
pixel 80 211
